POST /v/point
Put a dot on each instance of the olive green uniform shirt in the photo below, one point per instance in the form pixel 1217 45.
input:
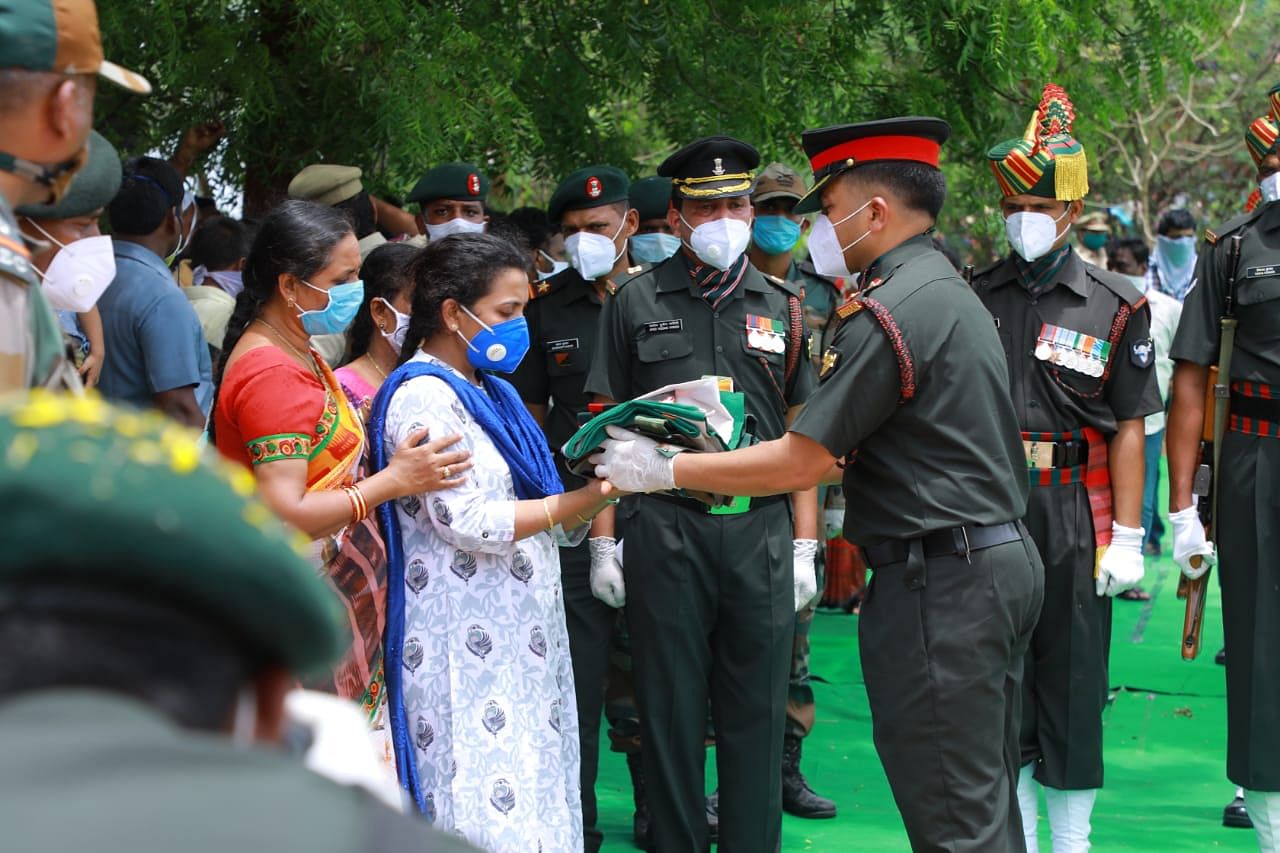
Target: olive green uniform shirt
pixel 1246 484
pixel 1256 357
pixel 563 324
pixel 90 770
pixel 658 330
pixel 949 456
pixel 1084 299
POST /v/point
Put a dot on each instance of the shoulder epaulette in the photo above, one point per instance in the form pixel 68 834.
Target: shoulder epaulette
pixel 1117 284
pixel 1226 229
pixel 794 288
pixel 633 271
pixel 848 309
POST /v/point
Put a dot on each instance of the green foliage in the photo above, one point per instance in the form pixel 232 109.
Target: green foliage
pixel 535 89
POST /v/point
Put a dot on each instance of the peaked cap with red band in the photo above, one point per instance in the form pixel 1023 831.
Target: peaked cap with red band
pixel 836 149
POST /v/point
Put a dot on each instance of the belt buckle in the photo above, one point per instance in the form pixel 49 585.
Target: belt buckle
pixel 961 541
pixel 1039 453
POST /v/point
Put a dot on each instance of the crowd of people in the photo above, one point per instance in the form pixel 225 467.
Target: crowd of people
pixel 326 504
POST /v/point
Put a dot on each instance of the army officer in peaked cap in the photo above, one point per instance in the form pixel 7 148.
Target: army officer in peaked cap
pixel 711 596
pixel 913 404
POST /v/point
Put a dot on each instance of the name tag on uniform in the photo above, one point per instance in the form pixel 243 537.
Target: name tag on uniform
pixel 562 345
pixel 1262 272
pixel 663 326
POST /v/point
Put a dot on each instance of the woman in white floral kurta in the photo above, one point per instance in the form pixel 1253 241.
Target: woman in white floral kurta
pixel 486 682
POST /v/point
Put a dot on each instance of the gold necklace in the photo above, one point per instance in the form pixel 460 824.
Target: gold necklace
pixel 376 366
pixel 308 359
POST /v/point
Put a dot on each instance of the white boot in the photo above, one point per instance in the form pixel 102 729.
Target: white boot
pixel 1264 811
pixel 1069 813
pixel 1028 804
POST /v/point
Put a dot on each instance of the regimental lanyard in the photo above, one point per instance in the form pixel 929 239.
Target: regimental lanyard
pixel 766 334
pixel 1073 350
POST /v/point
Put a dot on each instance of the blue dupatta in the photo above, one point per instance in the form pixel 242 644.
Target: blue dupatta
pixel 498 409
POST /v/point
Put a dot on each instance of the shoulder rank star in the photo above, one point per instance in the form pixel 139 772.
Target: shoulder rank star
pixel 829 360
pixel 543 287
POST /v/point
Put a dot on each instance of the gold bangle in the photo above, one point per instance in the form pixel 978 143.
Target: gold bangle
pixel 359 508
pixel 583 520
pixel 551 522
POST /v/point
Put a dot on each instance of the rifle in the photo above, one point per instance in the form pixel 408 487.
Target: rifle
pixel 1204 486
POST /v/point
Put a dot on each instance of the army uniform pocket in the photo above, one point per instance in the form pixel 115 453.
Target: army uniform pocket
pixel 565 357
pixel 664 346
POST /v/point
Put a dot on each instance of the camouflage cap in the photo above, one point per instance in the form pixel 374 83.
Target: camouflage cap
pixel 102 495
pixel 778 180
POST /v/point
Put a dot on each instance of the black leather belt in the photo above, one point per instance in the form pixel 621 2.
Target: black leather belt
pixel 944 543
pixel 1259 408
pixel 694 504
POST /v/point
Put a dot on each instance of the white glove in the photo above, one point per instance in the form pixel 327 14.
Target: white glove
pixel 633 463
pixel 1189 541
pixel 804 551
pixel 606 571
pixel 1122 565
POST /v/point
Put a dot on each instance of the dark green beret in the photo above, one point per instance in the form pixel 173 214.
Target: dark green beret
pixel 91 188
pixel 589 187
pixel 712 167
pixel 102 495
pixel 459 181
pixel 651 197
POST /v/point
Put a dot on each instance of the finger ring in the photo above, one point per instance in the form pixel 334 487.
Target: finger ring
pixel 447 475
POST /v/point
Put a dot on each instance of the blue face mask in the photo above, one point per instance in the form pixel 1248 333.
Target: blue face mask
pixel 334 318
pixel 653 248
pixel 501 347
pixel 775 235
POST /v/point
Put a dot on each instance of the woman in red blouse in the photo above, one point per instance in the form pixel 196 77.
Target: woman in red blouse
pixel 280 412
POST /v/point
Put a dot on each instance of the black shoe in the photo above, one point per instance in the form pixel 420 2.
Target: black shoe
pixel 713 817
pixel 797 797
pixel 640 820
pixel 1236 815
pixel 1221 657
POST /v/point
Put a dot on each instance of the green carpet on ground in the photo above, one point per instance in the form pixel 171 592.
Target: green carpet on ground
pixel 1165 743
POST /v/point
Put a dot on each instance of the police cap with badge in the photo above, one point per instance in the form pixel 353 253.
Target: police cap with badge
pixel 129 502
pixel 327 183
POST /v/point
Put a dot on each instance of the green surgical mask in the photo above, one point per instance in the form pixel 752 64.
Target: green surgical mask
pixel 1093 240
